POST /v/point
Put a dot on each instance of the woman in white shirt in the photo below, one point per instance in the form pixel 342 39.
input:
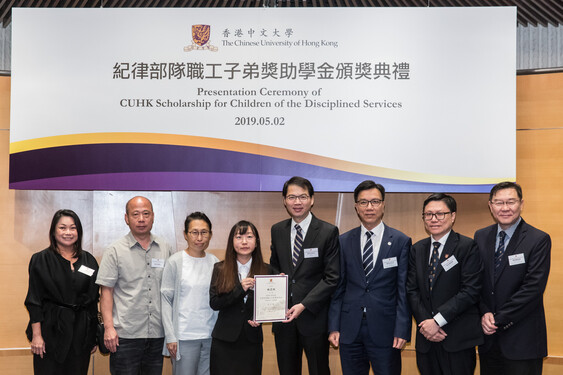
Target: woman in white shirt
pixel 187 318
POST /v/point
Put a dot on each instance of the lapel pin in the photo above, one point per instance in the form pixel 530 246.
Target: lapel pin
pixel 389 243
pixel 447 255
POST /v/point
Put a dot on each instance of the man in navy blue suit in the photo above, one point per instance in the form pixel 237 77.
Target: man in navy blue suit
pixel 516 258
pixel 369 316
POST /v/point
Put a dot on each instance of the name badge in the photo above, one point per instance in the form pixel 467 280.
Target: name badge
pixel 157 263
pixel 449 263
pixel 86 270
pixel 516 259
pixel 311 253
pixel 390 262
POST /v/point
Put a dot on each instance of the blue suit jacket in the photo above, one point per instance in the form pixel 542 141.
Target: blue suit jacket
pixel 515 295
pixel 383 294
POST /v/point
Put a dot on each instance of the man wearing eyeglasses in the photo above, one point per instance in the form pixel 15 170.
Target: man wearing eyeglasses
pixel 307 250
pixel 369 318
pixel 130 275
pixel 516 257
pixel 443 288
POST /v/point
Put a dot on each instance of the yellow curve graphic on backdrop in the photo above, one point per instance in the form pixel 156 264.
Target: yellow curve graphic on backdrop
pixel 244 147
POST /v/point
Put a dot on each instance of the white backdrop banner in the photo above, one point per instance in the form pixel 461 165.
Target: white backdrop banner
pixel 418 99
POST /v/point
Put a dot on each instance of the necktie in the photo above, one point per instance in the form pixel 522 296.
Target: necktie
pixel 367 254
pixel 433 264
pixel 500 250
pixel 297 245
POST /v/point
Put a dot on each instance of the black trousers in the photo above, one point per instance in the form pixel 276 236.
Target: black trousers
pixel 440 362
pixel 290 345
pixel 494 363
pixel 73 364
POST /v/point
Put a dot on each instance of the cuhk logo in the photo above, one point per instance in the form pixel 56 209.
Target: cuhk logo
pixel 200 39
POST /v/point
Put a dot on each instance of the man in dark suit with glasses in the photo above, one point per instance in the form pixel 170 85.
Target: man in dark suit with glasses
pixel 443 288
pixel 307 250
pixel 516 259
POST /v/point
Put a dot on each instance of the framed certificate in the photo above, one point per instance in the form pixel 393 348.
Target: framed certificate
pixel 270 298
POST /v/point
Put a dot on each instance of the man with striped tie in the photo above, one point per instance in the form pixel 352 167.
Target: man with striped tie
pixel 443 288
pixel 369 318
pixel 307 250
pixel 516 258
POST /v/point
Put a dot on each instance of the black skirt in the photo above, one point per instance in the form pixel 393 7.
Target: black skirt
pixel 239 357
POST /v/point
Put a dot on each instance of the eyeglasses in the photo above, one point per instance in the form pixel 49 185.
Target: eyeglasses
pixel 373 202
pixel 511 203
pixel 439 215
pixel 300 198
pixel 196 234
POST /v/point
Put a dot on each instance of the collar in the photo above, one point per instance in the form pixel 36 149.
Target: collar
pixel 442 240
pixel 304 224
pixel 377 231
pixel 244 267
pixel 132 241
pixel 510 231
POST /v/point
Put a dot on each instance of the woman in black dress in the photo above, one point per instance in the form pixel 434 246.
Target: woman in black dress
pixel 62 301
pixel 236 346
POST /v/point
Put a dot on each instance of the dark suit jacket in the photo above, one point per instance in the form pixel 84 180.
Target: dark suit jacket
pixel 234 313
pixel 383 294
pixel 515 296
pixel 313 280
pixel 455 293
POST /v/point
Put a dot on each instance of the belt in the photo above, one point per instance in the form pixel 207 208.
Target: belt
pixel 67 306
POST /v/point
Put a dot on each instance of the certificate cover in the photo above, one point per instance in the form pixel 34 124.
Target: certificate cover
pixel 270 298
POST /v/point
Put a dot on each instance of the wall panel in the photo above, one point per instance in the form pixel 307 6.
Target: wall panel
pixel 540 161
pixel 539 102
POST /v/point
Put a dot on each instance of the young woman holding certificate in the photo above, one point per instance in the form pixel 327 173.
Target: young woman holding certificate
pixel 236 346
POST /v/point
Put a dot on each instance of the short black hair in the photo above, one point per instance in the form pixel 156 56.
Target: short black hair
pixel 302 182
pixel 506 185
pixel 196 216
pixel 447 199
pixel 368 185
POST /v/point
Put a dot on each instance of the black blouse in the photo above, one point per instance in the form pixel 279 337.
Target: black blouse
pixel 63 301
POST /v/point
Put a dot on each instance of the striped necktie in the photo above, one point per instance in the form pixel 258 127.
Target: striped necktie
pixel 367 254
pixel 500 250
pixel 433 264
pixel 297 245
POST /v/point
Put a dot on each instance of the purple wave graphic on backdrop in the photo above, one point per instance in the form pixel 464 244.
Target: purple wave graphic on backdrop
pixel 169 167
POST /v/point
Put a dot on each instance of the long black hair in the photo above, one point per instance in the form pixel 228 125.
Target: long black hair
pixel 229 271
